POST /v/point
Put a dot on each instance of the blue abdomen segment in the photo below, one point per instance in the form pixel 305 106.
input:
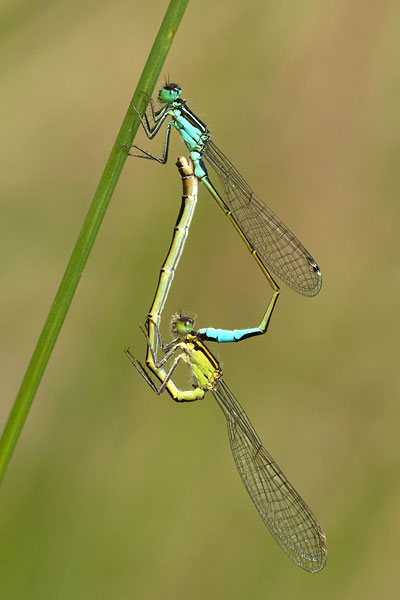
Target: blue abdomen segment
pixel 227 335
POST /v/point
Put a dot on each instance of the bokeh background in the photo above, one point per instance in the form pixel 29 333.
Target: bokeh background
pixel 112 491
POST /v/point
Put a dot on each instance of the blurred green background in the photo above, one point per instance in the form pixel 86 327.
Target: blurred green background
pixel 112 491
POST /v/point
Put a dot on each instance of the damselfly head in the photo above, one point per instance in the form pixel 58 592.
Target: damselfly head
pixel 169 93
pixel 181 325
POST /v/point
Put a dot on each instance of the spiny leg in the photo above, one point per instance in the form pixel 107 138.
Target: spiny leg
pixel 141 369
pixel 156 115
pixel 151 132
pixel 156 365
pixel 160 363
pixel 150 156
pixel 178 359
pixel 169 349
pixel 166 378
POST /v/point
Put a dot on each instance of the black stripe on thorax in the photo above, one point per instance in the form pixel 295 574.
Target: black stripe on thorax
pixel 200 347
pixel 192 118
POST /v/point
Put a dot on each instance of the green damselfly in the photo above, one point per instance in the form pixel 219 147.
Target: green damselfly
pixel 272 244
pixel 282 509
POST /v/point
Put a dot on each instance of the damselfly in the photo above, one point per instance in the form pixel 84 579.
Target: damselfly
pixel 272 244
pixel 282 509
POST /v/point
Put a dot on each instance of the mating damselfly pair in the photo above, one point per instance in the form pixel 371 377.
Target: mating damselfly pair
pixel 275 248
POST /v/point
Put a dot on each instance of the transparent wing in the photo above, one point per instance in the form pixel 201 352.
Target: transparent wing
pixel 284 512
pixel 278 248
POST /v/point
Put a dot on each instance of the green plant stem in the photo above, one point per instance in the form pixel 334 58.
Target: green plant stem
pixel 87 236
